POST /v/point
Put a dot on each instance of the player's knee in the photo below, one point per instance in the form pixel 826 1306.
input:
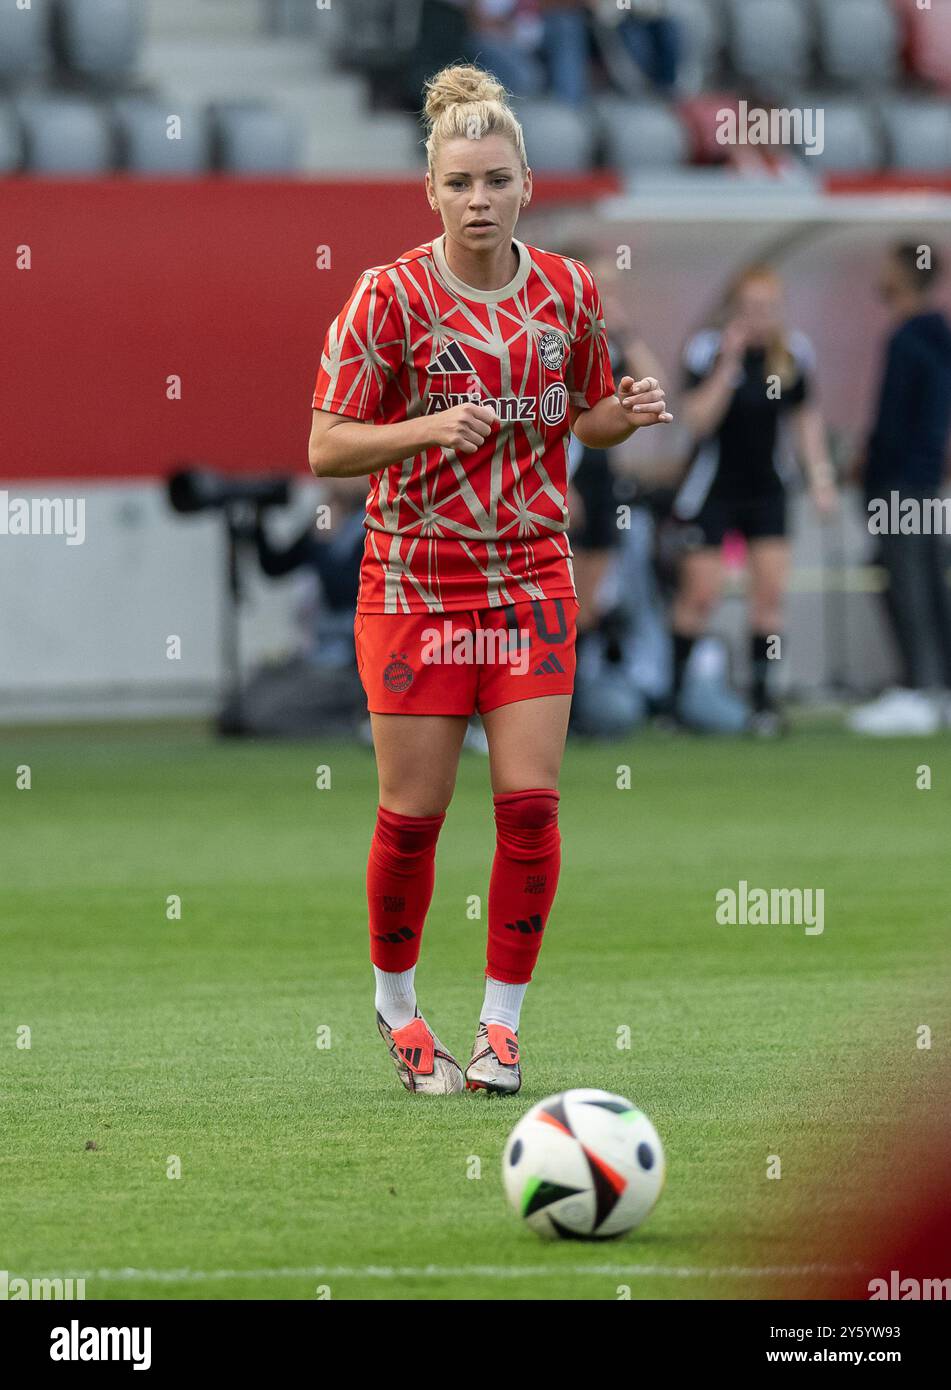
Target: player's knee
pixel 407 835
pixel 532 811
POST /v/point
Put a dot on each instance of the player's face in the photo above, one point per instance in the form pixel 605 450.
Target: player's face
pixel 479 182
pixel 892 286
pixel 759 307
pixel 616 308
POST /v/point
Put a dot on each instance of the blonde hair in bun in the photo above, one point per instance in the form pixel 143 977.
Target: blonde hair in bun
pixel 467 102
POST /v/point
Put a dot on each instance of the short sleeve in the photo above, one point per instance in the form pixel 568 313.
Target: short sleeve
pixel 363 349
pixel 589 377
pixel 805 358
pixel 699 358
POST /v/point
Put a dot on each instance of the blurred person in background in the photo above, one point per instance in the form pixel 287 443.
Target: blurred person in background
pixel 906 455
pixel 445 35
pixel 507 39
pixel 650 38
pixel 566 41
pixel 333 556
pixel 536 47
pixel 742 381
pixel 648 34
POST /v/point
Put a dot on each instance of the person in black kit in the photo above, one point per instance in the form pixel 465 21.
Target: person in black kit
pixel 742 382
pixel 906 456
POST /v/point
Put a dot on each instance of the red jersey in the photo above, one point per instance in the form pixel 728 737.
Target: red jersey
pixel 448 531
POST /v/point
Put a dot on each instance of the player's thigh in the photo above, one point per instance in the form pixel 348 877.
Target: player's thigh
pixel 417 757
pixel 527 742
pixel 768 561
pixel 701 575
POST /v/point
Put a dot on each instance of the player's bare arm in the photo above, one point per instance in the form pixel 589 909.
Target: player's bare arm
pixel 615 418
pixel 341 447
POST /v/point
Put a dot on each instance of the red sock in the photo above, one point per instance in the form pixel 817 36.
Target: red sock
pixel 401 871
pixel 523 882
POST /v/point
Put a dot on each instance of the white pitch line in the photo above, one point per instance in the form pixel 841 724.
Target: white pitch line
pixel 454 1272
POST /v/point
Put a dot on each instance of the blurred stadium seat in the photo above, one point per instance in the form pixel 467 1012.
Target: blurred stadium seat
pixel 918 131
pixel 143 140
pixel 559 137
pixel 11 141
pixel 858 41
pixel 254 139
pixel 24 41
pixel 770 41
pixel 642 134
pixel 65 135
pixel 98 40
pixel 702 27
pixel 852 137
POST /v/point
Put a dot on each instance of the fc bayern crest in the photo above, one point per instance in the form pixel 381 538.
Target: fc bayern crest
pixel 552 347
pixel 398 675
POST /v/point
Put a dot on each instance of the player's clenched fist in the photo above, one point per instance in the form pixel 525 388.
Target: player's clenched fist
pixel 464 427
pixel 644 400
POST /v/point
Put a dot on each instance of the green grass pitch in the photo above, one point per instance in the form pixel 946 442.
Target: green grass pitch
pixel 306 1168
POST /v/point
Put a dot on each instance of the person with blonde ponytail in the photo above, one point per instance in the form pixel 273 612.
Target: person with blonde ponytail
pixel 743 380
pixel 451 379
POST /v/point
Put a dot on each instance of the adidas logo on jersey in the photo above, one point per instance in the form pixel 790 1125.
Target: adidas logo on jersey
pixel 452 359
pixel 550 666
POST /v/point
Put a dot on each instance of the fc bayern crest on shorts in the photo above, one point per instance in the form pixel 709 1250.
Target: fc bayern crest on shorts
pixel 398 676
pixel 552 349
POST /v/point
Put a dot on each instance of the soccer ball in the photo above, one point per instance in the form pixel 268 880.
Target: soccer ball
pixel 583 1165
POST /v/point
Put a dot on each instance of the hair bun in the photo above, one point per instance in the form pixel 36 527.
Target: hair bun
pixel 456 85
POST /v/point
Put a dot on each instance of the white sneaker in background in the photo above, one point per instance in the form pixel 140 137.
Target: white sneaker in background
pixel 475 739
pixel 897 712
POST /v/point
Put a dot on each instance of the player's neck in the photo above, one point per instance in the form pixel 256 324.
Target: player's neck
pixel 487 270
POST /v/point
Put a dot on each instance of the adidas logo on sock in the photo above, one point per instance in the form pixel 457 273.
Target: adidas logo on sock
pixel 549 666
pixel 395 937
pixel 533 924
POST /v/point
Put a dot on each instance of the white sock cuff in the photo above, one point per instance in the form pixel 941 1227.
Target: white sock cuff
pixel 503 1003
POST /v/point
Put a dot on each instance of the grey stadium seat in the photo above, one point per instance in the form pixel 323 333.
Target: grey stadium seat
pixel 65 135
pixel 852 137
pixel 918 133
pixel 642 134
pixel 11 141
pixel 559 138
pixel 702 31
pixel 142 128
pixel 255 139
pixel 99 39
pixel 858 40
pixel 770 40
pixel 24 40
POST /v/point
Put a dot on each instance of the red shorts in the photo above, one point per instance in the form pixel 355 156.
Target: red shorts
pixel 469 661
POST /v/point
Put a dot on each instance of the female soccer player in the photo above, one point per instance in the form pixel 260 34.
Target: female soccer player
pixel 451 377
pixel 741 383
